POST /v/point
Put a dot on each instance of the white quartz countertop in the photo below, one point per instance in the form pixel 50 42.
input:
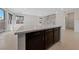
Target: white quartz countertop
pixel 25 29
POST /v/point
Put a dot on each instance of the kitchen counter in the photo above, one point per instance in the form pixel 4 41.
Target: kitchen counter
pixel 49 34
pixel 29 29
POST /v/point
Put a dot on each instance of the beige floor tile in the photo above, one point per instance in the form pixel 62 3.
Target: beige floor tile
pixel 8 41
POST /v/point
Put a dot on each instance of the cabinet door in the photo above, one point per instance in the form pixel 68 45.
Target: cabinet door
pixel 49 38
pixel 56 34
pixel 35 41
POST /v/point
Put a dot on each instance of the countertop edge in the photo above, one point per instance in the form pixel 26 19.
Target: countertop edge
pixel 20 32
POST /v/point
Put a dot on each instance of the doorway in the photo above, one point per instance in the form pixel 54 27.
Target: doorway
pixel 69 21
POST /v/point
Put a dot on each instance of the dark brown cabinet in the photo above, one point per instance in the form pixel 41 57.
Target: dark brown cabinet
pixel 43 39
pixel 56 34
pixel 35 41
pixel 49 39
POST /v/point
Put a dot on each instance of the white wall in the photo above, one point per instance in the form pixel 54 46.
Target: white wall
pixel 30 20
pixel 76 21
pixel 60 19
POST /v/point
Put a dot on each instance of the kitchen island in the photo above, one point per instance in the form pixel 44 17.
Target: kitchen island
pixel 38 37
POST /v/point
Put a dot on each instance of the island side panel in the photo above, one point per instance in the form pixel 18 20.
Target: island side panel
pixel 21 41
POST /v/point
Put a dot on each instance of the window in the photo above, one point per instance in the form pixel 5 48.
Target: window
pixel 2 14
pixel 2 20
pixel 10 18
pixel 19 19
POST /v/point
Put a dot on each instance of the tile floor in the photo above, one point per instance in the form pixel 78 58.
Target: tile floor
pixel 8 41
pixel 69 41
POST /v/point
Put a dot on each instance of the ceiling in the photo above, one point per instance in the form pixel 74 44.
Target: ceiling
pixel 39 11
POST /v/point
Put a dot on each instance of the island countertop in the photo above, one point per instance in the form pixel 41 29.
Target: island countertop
pixel 25 29
pixel 46 33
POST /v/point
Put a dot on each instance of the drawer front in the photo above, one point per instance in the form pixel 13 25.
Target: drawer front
pixel 34 34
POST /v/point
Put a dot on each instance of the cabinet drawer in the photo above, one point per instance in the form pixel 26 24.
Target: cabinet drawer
pixel 34 34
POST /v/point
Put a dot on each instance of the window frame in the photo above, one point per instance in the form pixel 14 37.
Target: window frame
pixel 10 21
pixel 20 22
